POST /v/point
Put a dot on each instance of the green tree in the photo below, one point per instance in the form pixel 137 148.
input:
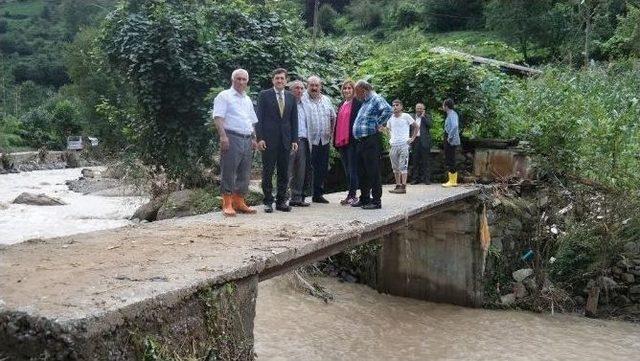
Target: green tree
pixel 626 39
pixel 520 20
pixel 368 15
pixel 327 18
pixel 93 85
pixel 156 46
pixel 448 15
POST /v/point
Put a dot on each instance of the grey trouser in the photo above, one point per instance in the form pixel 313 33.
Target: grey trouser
pixel 298 171
pixel 235 164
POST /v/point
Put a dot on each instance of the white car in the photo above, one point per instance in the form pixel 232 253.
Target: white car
pixel 74 142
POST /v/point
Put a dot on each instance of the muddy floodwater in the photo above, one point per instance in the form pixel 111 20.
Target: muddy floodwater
pixel 82 213
pixel 361 324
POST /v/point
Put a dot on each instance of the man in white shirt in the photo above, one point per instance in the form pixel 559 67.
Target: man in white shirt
pixel 403 131
pixel 234 118
pixel 321 117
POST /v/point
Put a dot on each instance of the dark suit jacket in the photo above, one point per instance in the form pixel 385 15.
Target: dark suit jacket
pixel 355 107
pixel 425 130
pixel 273 128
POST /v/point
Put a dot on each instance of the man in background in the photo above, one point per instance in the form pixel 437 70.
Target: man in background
pixel 300 162
pixel 421 147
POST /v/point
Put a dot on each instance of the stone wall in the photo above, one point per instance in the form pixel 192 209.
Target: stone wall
pixel 437 258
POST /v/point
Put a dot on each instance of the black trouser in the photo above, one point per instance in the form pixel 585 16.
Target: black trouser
pixel 420 162
pixel 350 165
pixel 450 157
pixel 320 165
pixel 368 153
pixel 275 157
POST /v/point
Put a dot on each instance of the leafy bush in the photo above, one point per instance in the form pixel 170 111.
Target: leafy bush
pixel 37 129
pixel 406 14
pixel 584 123
pixel 595 239
pixel 422 76
pixel 626 39
pixel 10 129
pixel 11 43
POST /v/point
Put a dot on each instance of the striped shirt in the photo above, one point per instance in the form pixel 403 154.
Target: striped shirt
pixel 320 116
pixel 374 112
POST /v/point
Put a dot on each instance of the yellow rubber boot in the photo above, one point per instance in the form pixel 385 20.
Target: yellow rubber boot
pixel 453 180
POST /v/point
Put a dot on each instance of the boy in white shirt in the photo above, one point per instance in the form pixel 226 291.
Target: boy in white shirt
pixel 403 130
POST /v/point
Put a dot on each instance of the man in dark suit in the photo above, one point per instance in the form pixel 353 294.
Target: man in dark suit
pixel 421 147
pixel 277 133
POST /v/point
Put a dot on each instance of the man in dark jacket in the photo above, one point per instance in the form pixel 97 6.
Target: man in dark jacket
pixel 421 147
pixel 277 133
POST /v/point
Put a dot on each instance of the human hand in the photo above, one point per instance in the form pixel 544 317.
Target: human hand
pixel 262 145
pixel 294 147
pixel 254 144
pixel 224 144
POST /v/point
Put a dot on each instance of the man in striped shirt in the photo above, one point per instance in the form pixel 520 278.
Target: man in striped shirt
pixel 366 130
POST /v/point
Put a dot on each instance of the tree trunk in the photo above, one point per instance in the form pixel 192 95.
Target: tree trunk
pixel 587 36
pixel 591 309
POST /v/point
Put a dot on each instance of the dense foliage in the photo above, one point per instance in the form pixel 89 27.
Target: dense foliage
pixel 423 76
pixel 584 123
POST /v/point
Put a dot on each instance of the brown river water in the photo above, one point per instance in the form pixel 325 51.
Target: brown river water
pixel 361 324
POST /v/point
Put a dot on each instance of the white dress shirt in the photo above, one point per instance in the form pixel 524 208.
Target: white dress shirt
pixel 236 109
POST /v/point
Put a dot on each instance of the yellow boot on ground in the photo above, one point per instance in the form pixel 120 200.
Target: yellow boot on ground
pixel 453 180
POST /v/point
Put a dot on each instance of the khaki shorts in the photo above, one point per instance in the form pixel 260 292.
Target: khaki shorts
pixel 399 156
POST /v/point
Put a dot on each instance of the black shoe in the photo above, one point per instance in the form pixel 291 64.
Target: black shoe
pixel 299 203
pixel 415 181
pixel 372 206
pixel 360 203
pixel 268 208
pixel 283 207
pixel 319 199
pixel 427 182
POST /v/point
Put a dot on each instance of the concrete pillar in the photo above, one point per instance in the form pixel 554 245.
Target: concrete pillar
pixel 212 322
pixel 437 258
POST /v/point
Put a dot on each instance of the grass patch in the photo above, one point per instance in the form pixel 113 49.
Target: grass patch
pixel 24 8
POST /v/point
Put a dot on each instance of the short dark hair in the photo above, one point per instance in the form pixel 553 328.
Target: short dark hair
pixel 280 71
pixel 397 101
pixel 449 103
